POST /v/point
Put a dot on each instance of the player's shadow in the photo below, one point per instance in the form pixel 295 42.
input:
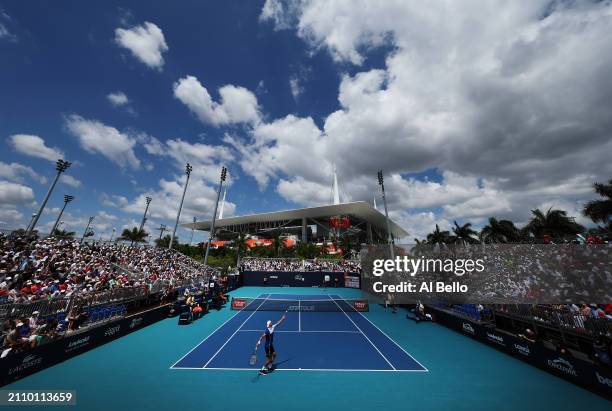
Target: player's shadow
pixel 274 367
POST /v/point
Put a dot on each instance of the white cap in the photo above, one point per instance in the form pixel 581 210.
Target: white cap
pixel 269 324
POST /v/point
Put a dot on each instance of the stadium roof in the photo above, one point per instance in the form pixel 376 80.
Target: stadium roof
pixel 360 209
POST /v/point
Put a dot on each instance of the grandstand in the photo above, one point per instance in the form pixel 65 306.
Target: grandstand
pixel 359 219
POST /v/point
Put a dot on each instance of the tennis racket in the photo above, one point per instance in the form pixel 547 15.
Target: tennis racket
pixel 253 359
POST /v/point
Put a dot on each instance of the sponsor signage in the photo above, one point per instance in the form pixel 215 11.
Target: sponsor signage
pixel 467 327
pixel 135 322
pixel 238 303
pixel 77 343
pixel 16 366
pixel 361 305
pixel 562 365
pixel 351 281
pixel 29 361
pixel 300 279
pixel 577 371
pixel 522 349
pixel 112 330
pixel 497 339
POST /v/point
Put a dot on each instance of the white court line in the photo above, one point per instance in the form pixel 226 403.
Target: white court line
pixel 298 369
pixel 306 331
pixel 366 337
pixel 231 336
pixel 394 342
pixel 207 337
pixel 300 315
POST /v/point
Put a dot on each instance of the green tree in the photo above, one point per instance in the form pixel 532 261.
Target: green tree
pixel 439 237
pixel 134 235
pixel 554 223
pixel 600 211
pixel 465 233
pixel 500 231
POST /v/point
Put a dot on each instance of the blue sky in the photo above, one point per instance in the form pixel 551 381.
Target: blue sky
pixel 280 92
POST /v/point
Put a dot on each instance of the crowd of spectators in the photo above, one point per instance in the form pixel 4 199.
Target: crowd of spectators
pixel 54 268
pixel 518 273
pixel 50 272
pixel 292 264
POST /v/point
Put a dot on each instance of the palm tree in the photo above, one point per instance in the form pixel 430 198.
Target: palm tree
pixel 601 210
pixel 554 223
pixel 465 233
pixel 500 231
pixel 438 237
pixel 134 235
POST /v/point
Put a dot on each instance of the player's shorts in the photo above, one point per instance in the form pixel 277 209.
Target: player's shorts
pixel 270 350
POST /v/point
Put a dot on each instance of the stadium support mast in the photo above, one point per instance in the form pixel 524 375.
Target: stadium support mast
pixel 222 204
pixel 381 182
pixel 335 190
pixel 188 169
pixel 376 208
pixel 212 225
pixel 195 220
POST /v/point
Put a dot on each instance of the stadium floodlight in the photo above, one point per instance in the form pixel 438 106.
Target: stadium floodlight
pixel 214 218
pixel 86 233
pixel 188 170
pixel 381 182
pixel 144 217
pixel 113 234
pixel 67 199
pixel 60 166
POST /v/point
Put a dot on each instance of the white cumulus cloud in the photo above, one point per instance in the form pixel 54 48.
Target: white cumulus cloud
pixel 237 104
pixel 96 137
pixel 118 98
pixel 34 146
pixel 146 42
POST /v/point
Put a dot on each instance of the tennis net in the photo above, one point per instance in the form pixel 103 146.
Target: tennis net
pixel 266 304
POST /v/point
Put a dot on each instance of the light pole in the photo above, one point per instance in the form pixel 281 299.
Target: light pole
pixel 67 199
pixel 212 226
pixel 381 182
pixel 60 166
pixel 86 229
pixel 30 223
pixel 192 230
pixel 113 234
pixel 144 217
pixel 188 169
pixel 161 229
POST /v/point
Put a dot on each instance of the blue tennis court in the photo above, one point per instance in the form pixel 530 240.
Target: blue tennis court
pixel 340 338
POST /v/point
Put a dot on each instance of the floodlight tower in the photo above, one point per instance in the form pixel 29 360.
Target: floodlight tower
pixel 86 232
pixel 67 199
pixel 188 170
pixel 144 217
pixel 60 166
pixel 381 182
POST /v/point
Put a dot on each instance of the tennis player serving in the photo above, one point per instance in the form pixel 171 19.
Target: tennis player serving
pixel 270 352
